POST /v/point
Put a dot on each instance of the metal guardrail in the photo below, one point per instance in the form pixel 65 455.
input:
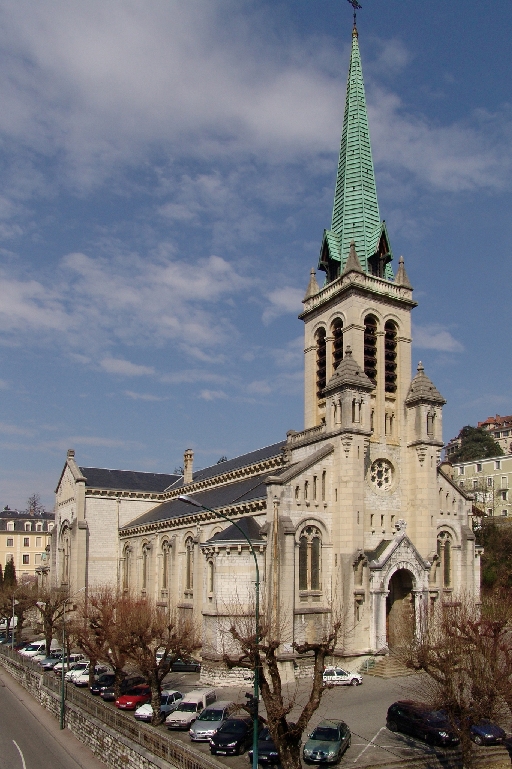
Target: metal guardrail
pixel 155 741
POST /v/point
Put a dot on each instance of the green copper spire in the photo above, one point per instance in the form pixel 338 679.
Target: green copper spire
pixel 355 215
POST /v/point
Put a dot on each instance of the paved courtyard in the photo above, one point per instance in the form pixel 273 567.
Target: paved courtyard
pixel 363 708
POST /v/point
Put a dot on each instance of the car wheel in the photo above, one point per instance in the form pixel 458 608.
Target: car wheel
pixel 477 739
pixel 240 750
pixel 354 682
pixel 392 726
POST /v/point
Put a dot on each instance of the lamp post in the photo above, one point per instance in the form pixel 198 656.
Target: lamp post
pixel 63 671
pixel 191 501
pixel 13 604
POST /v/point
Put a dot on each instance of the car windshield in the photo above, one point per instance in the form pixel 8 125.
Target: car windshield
pixel 436 718
pixel 327 733
pixel 211 715
pixel 31 647
pixel 265 735
pixel 187 707
pixel 233 727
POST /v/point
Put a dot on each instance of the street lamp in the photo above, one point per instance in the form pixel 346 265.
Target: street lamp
pixel 191 501
pixel 13 603
pixel 63 672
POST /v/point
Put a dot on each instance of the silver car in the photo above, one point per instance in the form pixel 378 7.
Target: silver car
pixel 207 722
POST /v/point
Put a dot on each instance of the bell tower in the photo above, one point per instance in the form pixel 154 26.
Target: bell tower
pixel 361 304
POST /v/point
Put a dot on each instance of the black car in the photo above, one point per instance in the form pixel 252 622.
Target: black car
pixel 128 683
pixel 420 720
pixel 486 732
pixel 233 737
pixel 267 751
pixel 105 681
pixel 186 665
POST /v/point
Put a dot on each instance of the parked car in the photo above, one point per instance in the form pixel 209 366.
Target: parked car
pixel 128 683
pixel 268 754
pixel 76 669
pixel 232 737
pixel 189 708
pixel 30 650
pixel 327 743
pixel 486 732
pixel 186 665
pixel 50 662
pixel 419 720
pixel 207 722
pixel 68 663
pixel 134 697
pixel 340 677
pixel 169 701
pixel 82 678
pixel 104 681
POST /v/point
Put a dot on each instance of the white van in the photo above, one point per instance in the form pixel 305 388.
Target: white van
pixel 189 708
pixel 34 648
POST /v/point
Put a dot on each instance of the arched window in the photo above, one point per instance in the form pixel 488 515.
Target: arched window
pixel 315 488
pixel 211 577
pixel 431 415
pixel 306 490
pixel 370 348
pixel 337 345
pixel 444 552
pixel 297 493
pixel 189 570
pixel 126 567
pixel 321 380
pixel 145 566
pixel 165 564
pixel 324 476
pixel 390 354
pixel 310 551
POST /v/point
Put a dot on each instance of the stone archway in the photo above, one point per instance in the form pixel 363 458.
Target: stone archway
pixel 400 619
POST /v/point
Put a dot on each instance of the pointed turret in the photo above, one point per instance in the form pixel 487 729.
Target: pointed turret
pixel 352 264
pixel 401 276
pixel 313 287
pixel 422 390
pixel 355 215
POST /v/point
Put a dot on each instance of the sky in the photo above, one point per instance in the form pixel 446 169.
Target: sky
pixel 167 170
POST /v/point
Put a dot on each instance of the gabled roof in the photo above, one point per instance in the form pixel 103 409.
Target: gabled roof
pixel 246 490
pixel 421 390
pixel 233 534
pixel 260 455
pixel 349 374
pixel 127 480
pixel 286 475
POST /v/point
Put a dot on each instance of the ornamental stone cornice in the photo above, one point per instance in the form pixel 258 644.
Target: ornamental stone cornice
pixel 202 516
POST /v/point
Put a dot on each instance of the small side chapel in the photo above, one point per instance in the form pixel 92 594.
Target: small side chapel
pixel 352 515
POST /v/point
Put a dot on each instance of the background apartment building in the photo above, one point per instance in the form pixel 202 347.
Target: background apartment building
pixel 490 480
pixel 24 538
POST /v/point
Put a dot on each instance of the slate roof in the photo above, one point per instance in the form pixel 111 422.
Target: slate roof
pixel 245 490
pixel 349 373
pixel 129 480
pixel 422 389
pixel 374 555
pixel 233 534
pixel 237 463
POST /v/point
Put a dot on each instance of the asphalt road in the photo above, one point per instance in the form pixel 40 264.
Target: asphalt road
pixel 30 737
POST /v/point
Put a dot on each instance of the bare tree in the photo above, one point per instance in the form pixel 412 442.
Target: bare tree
pixel 466 652
pixel 103 629
pixel 152 631
pixel 264 654
pixel 51 605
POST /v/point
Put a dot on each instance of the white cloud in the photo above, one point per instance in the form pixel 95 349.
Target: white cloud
pixel 435 337
pixel 143 396
pixel 125 367
pixel 283 300
pixel 213 395
pixel 8 429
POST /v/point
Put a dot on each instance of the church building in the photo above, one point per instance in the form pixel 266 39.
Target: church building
pixel 350 517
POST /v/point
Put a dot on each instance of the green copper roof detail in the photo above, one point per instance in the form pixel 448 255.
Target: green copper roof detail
pixel 355 215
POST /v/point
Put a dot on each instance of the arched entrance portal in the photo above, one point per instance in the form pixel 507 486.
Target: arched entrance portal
pixel 400 608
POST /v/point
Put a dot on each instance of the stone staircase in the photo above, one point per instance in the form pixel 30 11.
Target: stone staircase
pixel 388 667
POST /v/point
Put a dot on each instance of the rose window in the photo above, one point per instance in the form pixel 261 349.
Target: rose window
pixel 381 474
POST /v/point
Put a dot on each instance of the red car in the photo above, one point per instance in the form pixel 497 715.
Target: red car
pixel 134 697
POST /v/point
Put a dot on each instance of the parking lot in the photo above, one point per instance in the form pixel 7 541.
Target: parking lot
pixel 363 708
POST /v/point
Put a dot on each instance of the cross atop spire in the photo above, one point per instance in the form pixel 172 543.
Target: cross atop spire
pixel 355 215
